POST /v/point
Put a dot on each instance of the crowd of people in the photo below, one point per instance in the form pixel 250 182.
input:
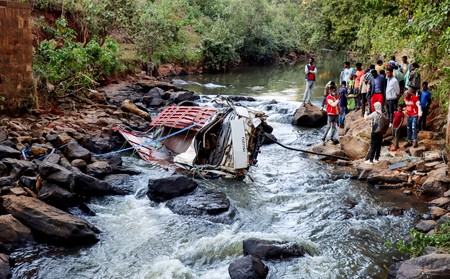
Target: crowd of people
pixel 391 91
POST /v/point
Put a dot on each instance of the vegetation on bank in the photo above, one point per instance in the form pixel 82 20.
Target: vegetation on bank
pixel 218 33
pixel 440 239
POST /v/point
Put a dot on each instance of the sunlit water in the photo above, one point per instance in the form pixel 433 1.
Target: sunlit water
pixel 341 222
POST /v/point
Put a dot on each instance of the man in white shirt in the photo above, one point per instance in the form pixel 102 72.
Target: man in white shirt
pixel 392 93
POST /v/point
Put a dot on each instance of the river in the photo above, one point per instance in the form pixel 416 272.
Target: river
pixel 343 223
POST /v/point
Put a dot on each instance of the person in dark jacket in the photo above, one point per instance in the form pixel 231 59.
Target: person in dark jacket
pixel 377 91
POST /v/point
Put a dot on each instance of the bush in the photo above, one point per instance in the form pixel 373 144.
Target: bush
pixel 439 239
pixel 70 65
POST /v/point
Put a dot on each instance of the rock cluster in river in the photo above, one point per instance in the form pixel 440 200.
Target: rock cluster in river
pixel 256 250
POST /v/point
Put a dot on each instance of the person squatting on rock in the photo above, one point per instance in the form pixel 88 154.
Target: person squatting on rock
pixel 425 102
pixel 392 93
pixel 397 123
pixel 376 139
pixel 310 77
pixel 332 110
pixel 326 92
pixel 413 111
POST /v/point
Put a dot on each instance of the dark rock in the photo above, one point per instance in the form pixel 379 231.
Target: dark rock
pixel 179 97
pixel 387 177
pixel 90 186
pixel 3 169
pixel 3 135
pixel 425 225
pixel 6 181
pixel 442 220
pixel 5 269
pixel 12 231
pixel 28 182
pixel 166 188
pixel 155 92
pixel 210 204
pixel 269 249
pixel 9 152
pixel 309 116
pixel 75 151
pixel 115 160
pixel 248 268
pixel 436 183
pixel 156 102
pixel 20 167
pixel 56 174
pixel 48 222
pixel 269 139
pixel 432 266
pixel 120 184
pixel 56 196
pixel 99 169
pixel 125 170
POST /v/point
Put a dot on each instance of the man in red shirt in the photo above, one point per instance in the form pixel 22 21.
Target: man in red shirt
pixel 332 103
pixel 413 111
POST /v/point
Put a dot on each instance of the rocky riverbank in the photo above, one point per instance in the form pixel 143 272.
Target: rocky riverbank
pixel 49 161
pixel 422 171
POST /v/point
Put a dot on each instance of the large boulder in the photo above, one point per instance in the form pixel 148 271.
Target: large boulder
pixel 269 249
pixel 90 186
pixel 99 169
pixel 355 147
pixel 12 231
pixel 210 204
pixel 9 152
pixel 167 188
pixel 56 196
pixel 386 176
pixel 436 183
pixel 75 151
pixel 56 174
pixel 309 116
pixel 248 267
pixel 50 223
pixel 20 167
pixel 432 266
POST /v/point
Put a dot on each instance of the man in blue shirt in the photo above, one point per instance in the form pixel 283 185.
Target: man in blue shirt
pixel 343 103
pixel 425 102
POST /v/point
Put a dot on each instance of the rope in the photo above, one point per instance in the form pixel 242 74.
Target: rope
pixel 306 151
pixel 155 140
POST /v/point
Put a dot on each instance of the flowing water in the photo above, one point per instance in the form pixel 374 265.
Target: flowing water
pixel 342 222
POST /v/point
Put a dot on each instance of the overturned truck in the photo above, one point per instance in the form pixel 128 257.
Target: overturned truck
pixel 224 141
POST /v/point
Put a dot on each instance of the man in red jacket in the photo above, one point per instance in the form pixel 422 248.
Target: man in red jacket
pixel 332 103
pixel 413 111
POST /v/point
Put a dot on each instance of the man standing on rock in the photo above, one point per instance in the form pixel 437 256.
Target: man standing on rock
pixel 376 139
pixel 310 77
pixel 377 91
pixel 332 102
pixel 413 111
pixel 392 93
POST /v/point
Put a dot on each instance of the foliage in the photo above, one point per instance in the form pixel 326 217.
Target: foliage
pixel 71 65
pixel 439 239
